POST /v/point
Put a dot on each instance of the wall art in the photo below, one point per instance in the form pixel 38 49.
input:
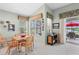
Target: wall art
pixel 1 22
pixel 42 24
pixel 11 27
pixel 55 25
pixel 7 21
pixel 38 27
pixel 69 14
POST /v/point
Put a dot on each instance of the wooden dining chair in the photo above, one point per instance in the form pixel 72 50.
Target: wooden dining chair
pixel 12 44
pixel 2 40
pixel 30 43
pixel 23 42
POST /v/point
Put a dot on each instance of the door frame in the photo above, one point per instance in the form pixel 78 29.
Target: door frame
pixel 64 26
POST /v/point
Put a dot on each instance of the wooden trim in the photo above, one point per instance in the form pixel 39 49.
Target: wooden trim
pixel 37 16
pixel 69 14
pixel 23 18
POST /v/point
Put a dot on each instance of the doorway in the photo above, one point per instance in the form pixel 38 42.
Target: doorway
pixel 72 30
pixel 36 31
pixel 49 26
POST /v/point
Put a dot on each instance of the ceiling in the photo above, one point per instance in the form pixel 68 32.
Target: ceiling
pixel 28 8
pixel 54 6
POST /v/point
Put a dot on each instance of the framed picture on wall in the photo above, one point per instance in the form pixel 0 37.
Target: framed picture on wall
pixel 55 25
pixel 11 27
pixel 42 24
pixel 38 27
pixel 1 22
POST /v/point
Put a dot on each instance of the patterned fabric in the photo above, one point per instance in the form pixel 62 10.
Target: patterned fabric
pixel 1 39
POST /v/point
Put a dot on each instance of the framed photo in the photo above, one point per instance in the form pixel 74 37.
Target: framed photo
pixel 7 21
pixel 38 27
pixel 42 24
pixel 55 25
pixel 11 27
pixel 1 22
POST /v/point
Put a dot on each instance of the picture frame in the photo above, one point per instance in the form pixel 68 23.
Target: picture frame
pixel 11 27
pixel 55 25
pixel 38 27
pixel 42 24
pixel 7 21
pixel 1 22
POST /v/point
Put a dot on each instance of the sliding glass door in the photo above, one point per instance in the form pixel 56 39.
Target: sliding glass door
pixel 72 30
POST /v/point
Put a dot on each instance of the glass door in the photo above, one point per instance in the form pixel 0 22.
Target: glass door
pixel 36 31
pixel 72 30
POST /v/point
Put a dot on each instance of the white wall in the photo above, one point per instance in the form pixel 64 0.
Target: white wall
pixel 13 18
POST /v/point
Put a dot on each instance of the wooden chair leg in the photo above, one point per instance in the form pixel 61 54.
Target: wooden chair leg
pixel 8 51
pixel 26 50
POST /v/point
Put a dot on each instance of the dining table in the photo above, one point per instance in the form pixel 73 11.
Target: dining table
pixel 19 41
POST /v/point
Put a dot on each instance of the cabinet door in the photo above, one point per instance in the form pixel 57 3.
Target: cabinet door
pixel 50 41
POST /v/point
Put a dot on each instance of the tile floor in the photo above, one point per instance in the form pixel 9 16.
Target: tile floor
pixel 76 41
pixel 62 49
pixel 58 49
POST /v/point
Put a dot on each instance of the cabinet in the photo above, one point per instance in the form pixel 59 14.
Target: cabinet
pixel 51 39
